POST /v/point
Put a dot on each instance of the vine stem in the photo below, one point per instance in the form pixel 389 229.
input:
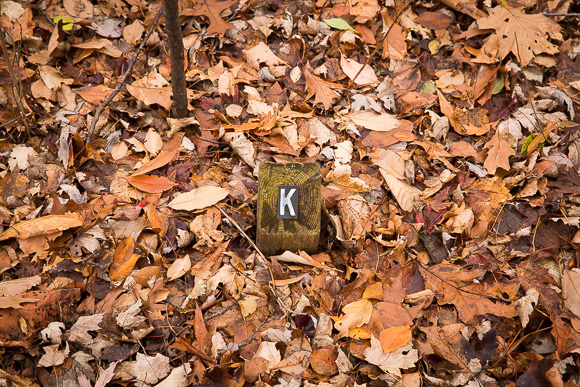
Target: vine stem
pixel 126 74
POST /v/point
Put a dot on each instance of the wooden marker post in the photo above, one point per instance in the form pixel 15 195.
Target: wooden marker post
pixel 288 207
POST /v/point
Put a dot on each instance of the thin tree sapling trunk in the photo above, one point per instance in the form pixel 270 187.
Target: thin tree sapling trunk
pixel 175 39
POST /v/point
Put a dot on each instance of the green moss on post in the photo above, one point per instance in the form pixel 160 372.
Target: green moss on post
pixel 288 216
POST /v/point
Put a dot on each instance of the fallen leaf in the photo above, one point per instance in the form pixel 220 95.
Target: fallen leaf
pixel 14 301
pixel 178 268
pixel 354 315
pixel 320 89
pixel 18 286
pixel 53 356
pixel 262 54
pixel 199 198
pixel 301 258
pixel 395 338
pixel 212 9
pixel 406 195
pixel 157 95
pixel 133 32
pixel 41 226
pixel 351 68
pixel 498 154
pixel 150 369
pixel 153 142
pixel 150 184
pixel 391 362
pixel 79 332
pixel 323 361
pixel 373 121
pixel 524 35
pixel 170 151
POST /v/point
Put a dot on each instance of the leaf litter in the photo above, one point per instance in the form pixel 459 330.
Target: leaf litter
pixel 448 140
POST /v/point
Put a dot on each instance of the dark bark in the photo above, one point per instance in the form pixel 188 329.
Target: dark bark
pixel 175 40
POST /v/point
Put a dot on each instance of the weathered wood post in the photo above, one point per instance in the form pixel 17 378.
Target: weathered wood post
pixel 288 207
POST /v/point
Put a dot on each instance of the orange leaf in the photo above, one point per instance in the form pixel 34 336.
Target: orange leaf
pixel 42 226
pixel 169 152
pixel 123 260
pixel 320 89
pixel 212 10
pixel 150 184
pixel 395 338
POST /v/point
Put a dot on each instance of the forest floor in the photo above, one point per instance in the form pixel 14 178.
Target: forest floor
pixel 448 141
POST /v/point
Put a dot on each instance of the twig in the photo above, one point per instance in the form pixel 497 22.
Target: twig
pixel 573 14
pixel 259 252
pixel 4 124
pixel 379 44
pixel 120 84
pixel 16 85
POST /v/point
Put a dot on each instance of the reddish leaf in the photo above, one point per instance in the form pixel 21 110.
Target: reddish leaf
pixel 151 184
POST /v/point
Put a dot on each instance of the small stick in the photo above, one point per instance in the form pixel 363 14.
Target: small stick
pixel 273 285
pixel 120 84
pixel 561 14
pixel 379 44
pixel 16 85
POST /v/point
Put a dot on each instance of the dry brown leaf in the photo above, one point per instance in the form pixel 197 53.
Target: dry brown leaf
pixel 154 95
pixel 262 54
pixel 354 315
pixel 522 34
pixel 198 198
pixel 320 89
pixel 79 332
pixel 42 226
pixel 351 68
pixel 14 301
pixel 150 369
pixel 95 94
pixel 133 32
pixel 53 356
pixel 373 121
pixel 178 268
pixel 212 9
pixel 17 286
pixel 170 151
pixel 499 154
pixel 571 290
pixel 123 260
pixel 153 142
pixel 391 362
pixel 301 258
pixel 407 196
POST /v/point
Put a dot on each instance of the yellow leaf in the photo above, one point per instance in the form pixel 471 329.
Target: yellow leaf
pixel 354 315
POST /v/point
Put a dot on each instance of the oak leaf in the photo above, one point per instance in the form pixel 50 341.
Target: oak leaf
pixel 212 10
pixel 499 154
pixel 320 89
pixel 521 34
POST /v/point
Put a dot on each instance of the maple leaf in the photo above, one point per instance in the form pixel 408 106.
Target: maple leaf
pixel 356 314
pixel 519 33
pixel 320 89
pixel 392 362
pixel 499 154
pixel 212 9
